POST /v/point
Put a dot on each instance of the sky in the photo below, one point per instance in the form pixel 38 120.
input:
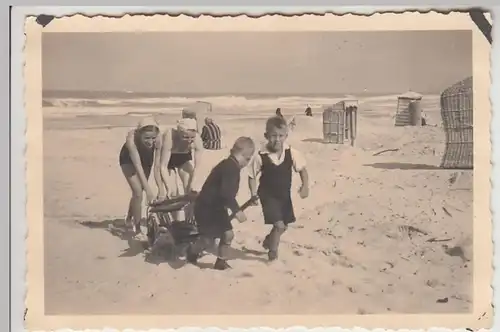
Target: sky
pixel 257 62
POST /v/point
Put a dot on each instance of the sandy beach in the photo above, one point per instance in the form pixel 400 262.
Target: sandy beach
pixel 370 238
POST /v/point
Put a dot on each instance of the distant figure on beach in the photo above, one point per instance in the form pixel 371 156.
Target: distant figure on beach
pixel 309 111
pixel 424 119
pixel 211 135
pixel 278 112
pixel 292 124
pixel 272 168
pixel 138 156
pixel 181 153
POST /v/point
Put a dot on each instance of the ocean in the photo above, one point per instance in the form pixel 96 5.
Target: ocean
pixel 78 103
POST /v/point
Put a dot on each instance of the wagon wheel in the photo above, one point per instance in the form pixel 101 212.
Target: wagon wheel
pixel 152 225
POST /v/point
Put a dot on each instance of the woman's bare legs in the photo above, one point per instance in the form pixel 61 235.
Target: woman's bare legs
pixel 185 174
pixel 128 220
pixel 135 204
pixel 174 192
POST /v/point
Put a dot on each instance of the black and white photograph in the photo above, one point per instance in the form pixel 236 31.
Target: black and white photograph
pixel 262 171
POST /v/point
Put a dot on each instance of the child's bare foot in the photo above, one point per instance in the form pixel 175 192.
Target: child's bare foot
pixel 221 264
pixel 138 234
pixel 272 256
pixel 141 237
pixel 192 257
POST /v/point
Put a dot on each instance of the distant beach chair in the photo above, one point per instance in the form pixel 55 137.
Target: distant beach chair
pixel 408 112
pixel 340 122
pixel 334 124
pixel 207 105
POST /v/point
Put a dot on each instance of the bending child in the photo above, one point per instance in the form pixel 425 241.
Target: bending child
pixel 274 163
pixel 138 156
pixel 180 155
pixel 217 196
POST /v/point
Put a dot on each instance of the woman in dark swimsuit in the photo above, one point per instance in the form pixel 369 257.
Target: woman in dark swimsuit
pixel 137 160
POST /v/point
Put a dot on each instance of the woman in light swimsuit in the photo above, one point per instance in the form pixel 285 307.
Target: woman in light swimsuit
pixel 181 154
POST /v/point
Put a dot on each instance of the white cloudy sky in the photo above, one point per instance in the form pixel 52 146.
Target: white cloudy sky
pixel 257 62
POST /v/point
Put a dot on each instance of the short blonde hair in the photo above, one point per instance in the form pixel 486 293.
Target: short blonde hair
pixel 275 122
pixel 241 144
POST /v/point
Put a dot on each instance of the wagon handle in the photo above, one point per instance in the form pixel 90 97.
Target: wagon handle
pixel 245 205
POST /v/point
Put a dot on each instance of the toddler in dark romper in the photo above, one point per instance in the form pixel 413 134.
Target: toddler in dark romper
pixel 217 196
pixel 275 163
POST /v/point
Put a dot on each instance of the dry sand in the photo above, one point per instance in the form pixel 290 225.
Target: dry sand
pixel 349 252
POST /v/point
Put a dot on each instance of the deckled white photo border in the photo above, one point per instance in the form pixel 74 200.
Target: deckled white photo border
pixel 481 204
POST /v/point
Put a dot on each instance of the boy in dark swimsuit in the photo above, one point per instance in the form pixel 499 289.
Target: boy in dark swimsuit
pixel 217 196
pixel 137 159
pixel 275 163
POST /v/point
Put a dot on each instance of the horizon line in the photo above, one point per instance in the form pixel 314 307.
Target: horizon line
pixel 295 93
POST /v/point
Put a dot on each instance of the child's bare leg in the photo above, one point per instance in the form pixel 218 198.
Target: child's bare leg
pixel 195 249
pixel 136 208
pixel 185 174
pixel 174 192
pixel 225 244
pixel 273 239
pixel 223 253
pixel 128 220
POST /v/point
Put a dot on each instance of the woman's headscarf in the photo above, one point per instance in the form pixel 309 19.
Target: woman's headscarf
pixel 186 124
pixel 148 122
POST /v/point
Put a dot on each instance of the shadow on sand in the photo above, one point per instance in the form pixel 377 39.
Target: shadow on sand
pixel 314 140
pixel 404 166
pixel 167 251
pixel 117 227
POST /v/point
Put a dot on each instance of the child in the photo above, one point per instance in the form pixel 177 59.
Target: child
pixel 138 155
pixel 178 145
pixel 274 163
pixel 217 195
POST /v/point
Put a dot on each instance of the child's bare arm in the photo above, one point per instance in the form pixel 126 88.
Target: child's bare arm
pixel 304 189
pixel 198 151
pixel 253 172
pixel 304 177
pixel 299 165
pixel 136 159
pixel 252 185
pixel 197 155
pixel 157 168
pixel 165 157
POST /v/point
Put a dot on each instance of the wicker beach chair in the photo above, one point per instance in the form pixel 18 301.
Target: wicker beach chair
pixel 457 117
